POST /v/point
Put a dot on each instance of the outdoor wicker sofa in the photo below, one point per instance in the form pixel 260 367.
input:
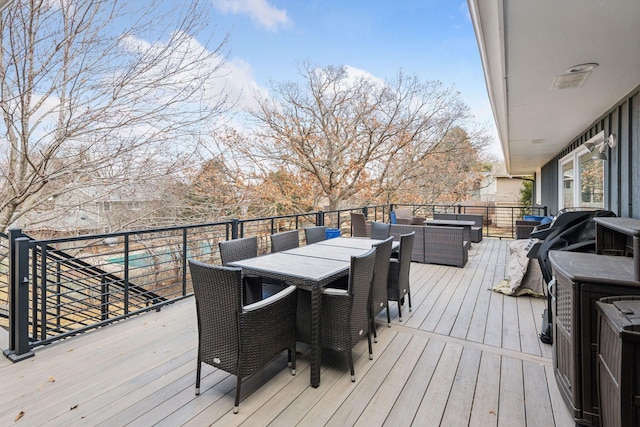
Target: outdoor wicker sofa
pixel 435 245
pixel 476 230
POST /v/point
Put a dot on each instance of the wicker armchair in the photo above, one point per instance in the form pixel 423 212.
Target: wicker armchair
pixel 315 234
pixel 379 299
pixel 284 241
pixel 359 226
pixel 345 312
pixel 405 216
pixel 237 339
pixel 379 230
pixel 398 284
pixel 239 249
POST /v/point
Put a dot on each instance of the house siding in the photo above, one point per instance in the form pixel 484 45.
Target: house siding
pixel 622 170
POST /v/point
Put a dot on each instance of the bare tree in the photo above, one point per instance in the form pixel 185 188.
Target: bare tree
pixel 446 172
pixel 353 135
pixel 101 92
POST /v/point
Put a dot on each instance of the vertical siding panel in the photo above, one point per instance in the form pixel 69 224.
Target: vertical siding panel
pixel 624 155
pixel 634 149
pixel 612 183
pixel 549 186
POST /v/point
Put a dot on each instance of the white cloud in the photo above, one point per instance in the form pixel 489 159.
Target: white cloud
pixel 240 84
pixel 233 78
pixel 357 73
pixel 261 12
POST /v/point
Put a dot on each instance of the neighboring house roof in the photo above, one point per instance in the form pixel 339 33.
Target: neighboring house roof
pixel 61 221
pixel 527 45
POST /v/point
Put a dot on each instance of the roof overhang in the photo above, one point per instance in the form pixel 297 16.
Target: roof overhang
pixel 527 45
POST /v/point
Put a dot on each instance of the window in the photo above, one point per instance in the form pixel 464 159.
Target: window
pixel 591 182
pixel 567 185
pixel 586 188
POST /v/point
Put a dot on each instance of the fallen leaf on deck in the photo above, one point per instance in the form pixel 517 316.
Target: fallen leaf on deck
pixel 20 415
pixel 73 407
pixel 52 379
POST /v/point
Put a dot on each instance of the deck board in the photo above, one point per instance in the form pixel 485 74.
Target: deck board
pixel 465 355
pixel 486 399
pixel 511 410
pixel 435 399
pixel 458 410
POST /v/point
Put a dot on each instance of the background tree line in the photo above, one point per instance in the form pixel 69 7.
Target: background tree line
pixel 102 107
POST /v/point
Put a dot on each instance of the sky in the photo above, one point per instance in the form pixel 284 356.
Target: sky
pixel 433 39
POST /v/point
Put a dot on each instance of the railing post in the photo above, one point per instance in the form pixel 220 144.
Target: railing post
pixel 185 255
pixel 365 211
pixel 19 301
pixel 320 218
pixel 13 234
pixel 234 228
pixel 126 273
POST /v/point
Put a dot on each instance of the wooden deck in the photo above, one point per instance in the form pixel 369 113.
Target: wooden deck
pixel 465 356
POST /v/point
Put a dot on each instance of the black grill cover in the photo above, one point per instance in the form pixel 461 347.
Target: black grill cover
pixel 577 235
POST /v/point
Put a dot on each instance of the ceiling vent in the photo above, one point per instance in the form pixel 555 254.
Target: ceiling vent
pixel 570 81
pixel 575 76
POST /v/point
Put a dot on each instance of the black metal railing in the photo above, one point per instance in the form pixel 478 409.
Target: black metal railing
pixel 53 288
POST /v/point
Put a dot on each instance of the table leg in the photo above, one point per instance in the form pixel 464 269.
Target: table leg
pixel 316 302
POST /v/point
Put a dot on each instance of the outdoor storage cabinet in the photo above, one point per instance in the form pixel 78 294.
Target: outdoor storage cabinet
pixel 581 280
pixel 619 361
pixel 619 236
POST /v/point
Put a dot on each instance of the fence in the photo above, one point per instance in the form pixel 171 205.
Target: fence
pixel 54 288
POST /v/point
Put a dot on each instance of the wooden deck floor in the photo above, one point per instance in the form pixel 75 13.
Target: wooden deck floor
pixel 465 356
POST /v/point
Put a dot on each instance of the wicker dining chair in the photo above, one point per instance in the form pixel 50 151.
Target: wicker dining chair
pixel 284 241
pixel 315 234
pixel 237 339
pixel 345 312
pixel 359 227
pixel 399 268
pixel 379 295
pixel 380 230
pixel 237 250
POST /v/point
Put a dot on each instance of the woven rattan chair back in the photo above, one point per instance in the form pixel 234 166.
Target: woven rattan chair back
pixel 399 270
pixel 379 299
pixel 345 313
pixel 218 295
pixel 238 249
pixel 315 234
pixel 358 225
pixel 240 340
pixel 285 241
pixel 380 230
pixel 360 279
